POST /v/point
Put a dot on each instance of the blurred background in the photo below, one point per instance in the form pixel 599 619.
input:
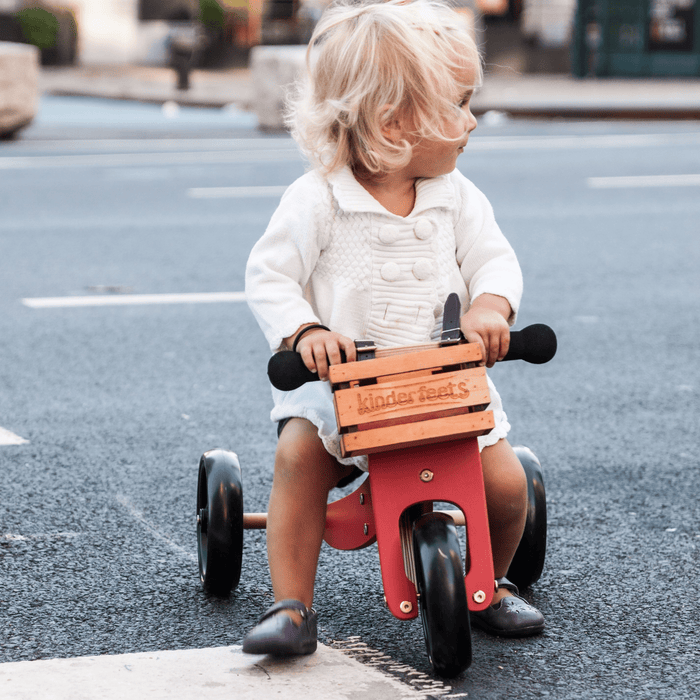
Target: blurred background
pixel 622 37
pixel 143 31
pixel 165 48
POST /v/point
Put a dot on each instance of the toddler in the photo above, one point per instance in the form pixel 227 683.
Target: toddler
pixel 369 244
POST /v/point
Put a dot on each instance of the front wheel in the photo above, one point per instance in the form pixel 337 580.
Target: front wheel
pixel 442 594
pixel 219 521
pixel 528 562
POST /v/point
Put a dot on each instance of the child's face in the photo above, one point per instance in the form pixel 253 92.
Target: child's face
pixel 432 157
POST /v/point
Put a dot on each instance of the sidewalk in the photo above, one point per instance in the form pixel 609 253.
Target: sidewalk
pixel 220 673
pixel 530 95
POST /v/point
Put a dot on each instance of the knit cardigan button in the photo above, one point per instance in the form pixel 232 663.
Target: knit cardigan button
pixel 390 272
pixel 423 229
pixel 422 268
pixel 388 234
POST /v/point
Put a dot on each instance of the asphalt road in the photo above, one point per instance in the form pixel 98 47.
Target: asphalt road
pixel 116 403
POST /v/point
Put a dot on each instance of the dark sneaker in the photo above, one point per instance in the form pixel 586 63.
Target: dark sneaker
pixel 512 616
pixel 278 635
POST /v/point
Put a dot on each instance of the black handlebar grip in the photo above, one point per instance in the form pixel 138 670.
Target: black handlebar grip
pixel 535 344
pixel 287 371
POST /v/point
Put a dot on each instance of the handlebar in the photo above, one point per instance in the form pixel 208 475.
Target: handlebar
pixel 535 344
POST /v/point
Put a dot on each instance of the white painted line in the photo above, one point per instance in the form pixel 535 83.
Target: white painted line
pixel 153 144
pixel 140 517
pixel 133 300
pixel 236 192
pixel 220 673
pixel 116 160
pixel 45 536
pixel 644 181
pixel 9 438
pixel 288 144
pixel 607 141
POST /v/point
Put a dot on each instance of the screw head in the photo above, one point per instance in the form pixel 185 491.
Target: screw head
pixel 203 519
pixel 426 475
pixel 479 597
pixel 406 606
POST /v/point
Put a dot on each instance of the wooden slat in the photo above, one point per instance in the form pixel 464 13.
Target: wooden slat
pixel 405 362
pixel 412 396
pixel 413 434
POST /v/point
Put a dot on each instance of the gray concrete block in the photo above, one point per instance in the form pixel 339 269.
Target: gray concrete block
pixel 273 70
pixel 19 79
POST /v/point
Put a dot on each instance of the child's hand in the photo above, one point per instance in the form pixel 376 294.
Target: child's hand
pixel 319 349
pixel 486 323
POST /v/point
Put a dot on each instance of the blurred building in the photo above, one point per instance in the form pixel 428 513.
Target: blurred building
pixel 549 23
pixel 142 31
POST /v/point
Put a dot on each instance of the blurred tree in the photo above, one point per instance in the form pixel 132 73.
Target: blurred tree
pixel 54 31
pixel 39 27
pixel 211 14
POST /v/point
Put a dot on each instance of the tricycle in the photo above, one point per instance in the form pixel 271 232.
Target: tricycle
pixel 416 411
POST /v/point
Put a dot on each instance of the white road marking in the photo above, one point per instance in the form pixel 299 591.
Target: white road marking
pixel 138 515
pixel 123 223
pixel 644 181
pixel 178 151
pixel 133 300
pixel 192 674
pixel 609 141
pixel 46 536
pixel 236 192
pixel 117 160
pixel 9 438
pixel 155 144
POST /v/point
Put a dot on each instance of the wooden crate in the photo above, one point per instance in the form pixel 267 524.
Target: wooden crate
pixel 409 399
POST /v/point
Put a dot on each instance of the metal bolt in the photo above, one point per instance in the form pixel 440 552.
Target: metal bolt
pixel 406 606
pixel 426 475
pixel 479 597
pixel 362 499
pixel 203 519
pixel 366 529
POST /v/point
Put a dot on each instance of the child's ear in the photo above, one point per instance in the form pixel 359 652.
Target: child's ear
pixel 390 124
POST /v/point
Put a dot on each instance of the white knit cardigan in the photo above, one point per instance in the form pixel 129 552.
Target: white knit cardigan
pixel 332 254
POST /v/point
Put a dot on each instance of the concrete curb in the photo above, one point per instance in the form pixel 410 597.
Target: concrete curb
pixel 156 85
pixel 614 98
pixel 201 674
pixel 538 95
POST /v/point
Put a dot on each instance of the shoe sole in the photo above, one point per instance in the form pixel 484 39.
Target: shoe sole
pixel 520 632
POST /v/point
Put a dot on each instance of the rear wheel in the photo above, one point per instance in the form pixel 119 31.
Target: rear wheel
pixel 219 521
pixel 443 597
pixel 528 562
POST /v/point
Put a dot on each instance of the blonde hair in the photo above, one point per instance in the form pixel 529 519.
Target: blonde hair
pixel 371 63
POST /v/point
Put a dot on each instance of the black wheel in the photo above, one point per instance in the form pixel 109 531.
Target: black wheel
pixel 442 595
pixel 219 521
pixel 528 562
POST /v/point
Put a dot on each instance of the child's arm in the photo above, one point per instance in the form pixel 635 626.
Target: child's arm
pixel 282 261
pixel 486 323
pixel 491 271
pixel 319 348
